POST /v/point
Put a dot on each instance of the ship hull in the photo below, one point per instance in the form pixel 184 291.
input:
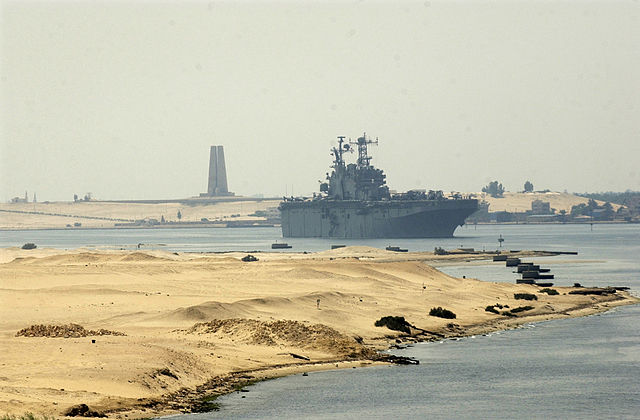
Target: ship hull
pixel 374 219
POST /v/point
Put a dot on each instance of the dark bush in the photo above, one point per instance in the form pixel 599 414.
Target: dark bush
pixel 396 323
pixel 525 296
pixel 167 372
pixel 521 309
pixel 29 245
pixel 442 313
pixel 548 291
pixel 594 291
pixel 439 251
pixel 249 258
pixel 82 410
pixel 492 309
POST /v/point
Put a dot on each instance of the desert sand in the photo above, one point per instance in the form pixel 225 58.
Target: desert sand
pixel 154 333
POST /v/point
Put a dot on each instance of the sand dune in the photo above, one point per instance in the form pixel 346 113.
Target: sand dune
pixel 206 310
pixel 317 337
pixel 196 322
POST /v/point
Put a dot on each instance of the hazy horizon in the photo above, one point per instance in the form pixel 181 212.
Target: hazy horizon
pixel 123 99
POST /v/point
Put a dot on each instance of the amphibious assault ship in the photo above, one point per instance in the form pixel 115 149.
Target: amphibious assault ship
pixel 355 202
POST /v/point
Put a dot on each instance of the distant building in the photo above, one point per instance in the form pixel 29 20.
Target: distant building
pixel 541 207
pixel 21 200
pixel 634 204
pixel 503 216
pixel 599 214
pixel 543 218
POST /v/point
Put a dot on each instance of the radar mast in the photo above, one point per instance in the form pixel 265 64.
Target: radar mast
pixel 363 154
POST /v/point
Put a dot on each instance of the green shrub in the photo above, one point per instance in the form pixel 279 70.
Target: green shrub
pixel 396 323
pixel 550 292
pixel 442 313
pixel 525 296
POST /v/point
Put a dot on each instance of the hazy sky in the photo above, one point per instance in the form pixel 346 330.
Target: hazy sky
pixel 123 99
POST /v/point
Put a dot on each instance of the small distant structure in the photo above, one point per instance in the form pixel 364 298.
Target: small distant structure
pixel 541 212
pixel 21 200
pixel 87 197
pixel 217 185
pixel 540 207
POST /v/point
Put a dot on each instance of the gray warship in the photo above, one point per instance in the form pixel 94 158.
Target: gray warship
pixel 355 202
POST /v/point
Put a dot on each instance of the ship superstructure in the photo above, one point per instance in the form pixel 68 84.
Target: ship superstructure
pixel 355 202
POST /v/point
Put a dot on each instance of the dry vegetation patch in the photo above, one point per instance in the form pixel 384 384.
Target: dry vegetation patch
pixel 283 332
pixel 65 331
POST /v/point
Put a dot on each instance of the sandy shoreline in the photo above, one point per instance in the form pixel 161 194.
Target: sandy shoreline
pixel 105 215
pixel 198 325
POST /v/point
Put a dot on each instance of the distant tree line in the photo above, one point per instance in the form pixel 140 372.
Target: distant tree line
pixel 494 189
pixel 87 197
pixel 528 186
pixel 624 198
pixel 592 209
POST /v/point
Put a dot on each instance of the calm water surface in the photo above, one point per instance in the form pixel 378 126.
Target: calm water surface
pixel 554 237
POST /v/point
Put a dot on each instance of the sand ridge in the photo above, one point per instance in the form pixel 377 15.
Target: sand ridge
pixel 196 323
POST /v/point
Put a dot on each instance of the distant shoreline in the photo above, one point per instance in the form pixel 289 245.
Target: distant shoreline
pixel 171 226
pixel 193 225
pixel 600 222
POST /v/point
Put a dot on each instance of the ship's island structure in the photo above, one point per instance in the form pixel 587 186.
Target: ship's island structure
pixel 355 202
